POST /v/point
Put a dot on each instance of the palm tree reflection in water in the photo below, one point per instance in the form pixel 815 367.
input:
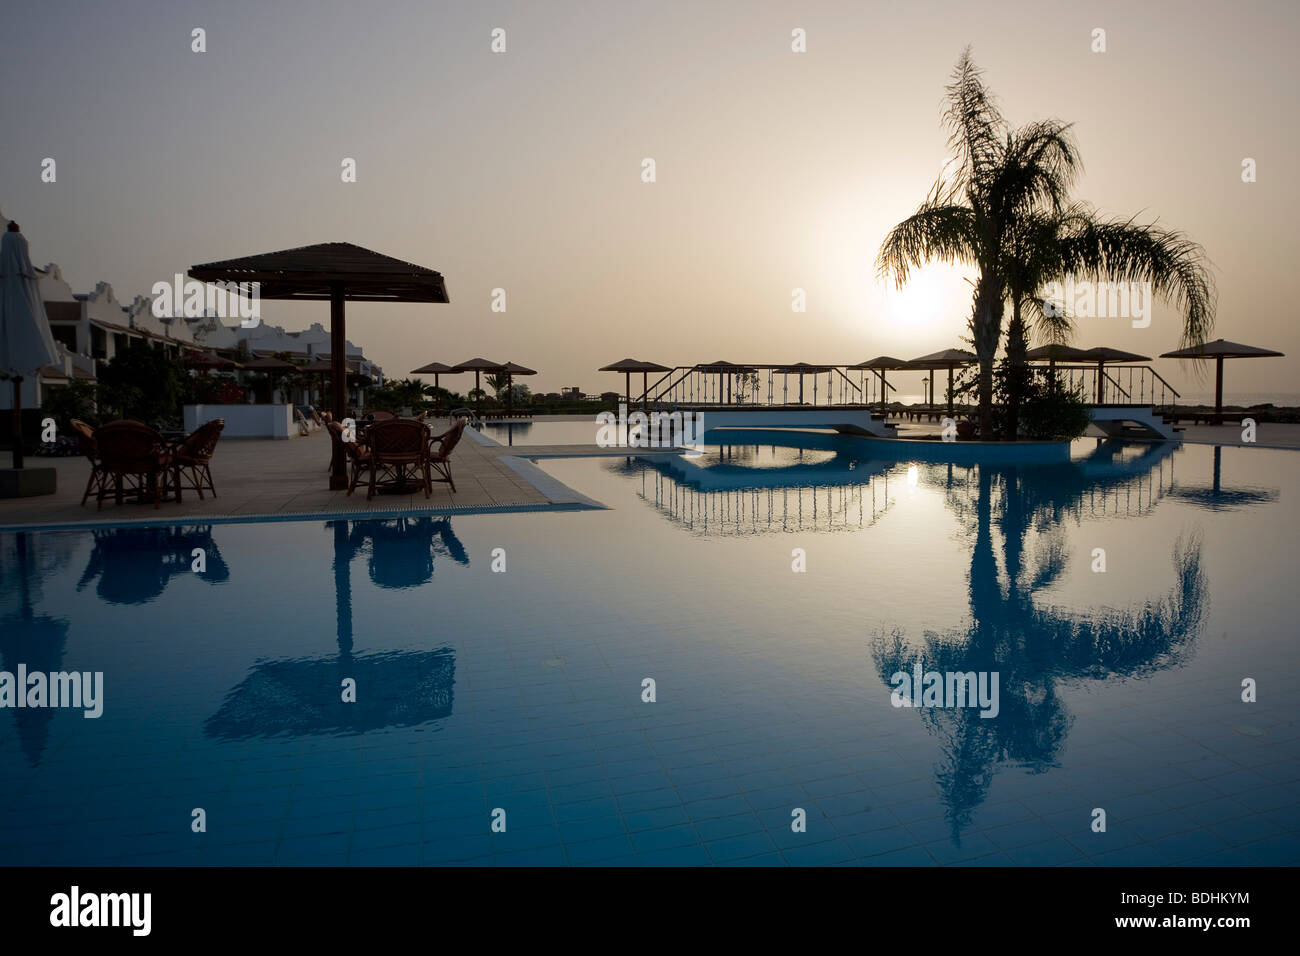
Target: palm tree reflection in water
pixel 1031 648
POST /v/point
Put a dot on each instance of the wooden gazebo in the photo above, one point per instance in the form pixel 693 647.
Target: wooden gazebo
pixel 334 272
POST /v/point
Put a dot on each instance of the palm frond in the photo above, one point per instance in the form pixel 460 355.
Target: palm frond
pixel 1122 250
pixel 974 122
pixel 938 231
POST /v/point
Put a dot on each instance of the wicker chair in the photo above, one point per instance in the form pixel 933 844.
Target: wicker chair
pixel 192 457
pixel 354 453
pixel 135 458
pixel 440 460
pixel 398 452
pixel 90 448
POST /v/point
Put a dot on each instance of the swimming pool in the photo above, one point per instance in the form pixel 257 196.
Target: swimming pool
pixel 522 690
pixel 544 431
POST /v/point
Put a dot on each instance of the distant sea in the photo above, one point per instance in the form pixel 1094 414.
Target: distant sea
pixel 1280 399
pixel 1230 397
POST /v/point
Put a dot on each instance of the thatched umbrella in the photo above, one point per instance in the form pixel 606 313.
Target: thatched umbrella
pixel 1219 350
pixel 1053 353
pixel 270 366
pixel 1104 356
pixel 334 272
pixel 435 369
pixel 512 369
pixel 947 358
pixel 627 366
pixel 478 366
pixel 880 365
pixel 320 369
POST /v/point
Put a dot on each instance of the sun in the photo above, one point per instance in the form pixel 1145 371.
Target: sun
pixel 933 301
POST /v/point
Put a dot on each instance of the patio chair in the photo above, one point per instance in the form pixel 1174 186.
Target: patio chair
pixel 90 448
pixel 382 416
pixel 398 452
pixel 440 460
pixel 135 458
pixel 191 458
pixel 354 453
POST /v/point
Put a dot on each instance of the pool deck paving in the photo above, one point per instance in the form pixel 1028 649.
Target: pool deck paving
pixel 288 479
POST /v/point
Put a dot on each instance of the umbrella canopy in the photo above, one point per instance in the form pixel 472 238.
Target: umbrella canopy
pixel 335 272
pixel 317 367
pixel 478 366
pixel 435 369
pixel 270 366
pixel 26 345
pixel 880 365
pixel 629 365
pixel 1107 355
pixel 1222 348
pixel 1056 353
pixel 946 358
pixel 1219 350
pixel 512 369
pixel 1103 355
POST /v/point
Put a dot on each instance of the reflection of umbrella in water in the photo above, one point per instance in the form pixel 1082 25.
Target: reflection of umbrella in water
pixel 402 549
pixel 297 697
pixel 133 565
pixel 1216 498
pixel 394 689
pixel 36 640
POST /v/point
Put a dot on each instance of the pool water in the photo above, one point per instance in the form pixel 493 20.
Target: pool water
pixel 566 431
pixel 500 665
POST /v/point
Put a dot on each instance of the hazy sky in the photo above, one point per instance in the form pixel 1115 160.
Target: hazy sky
pixel 522 170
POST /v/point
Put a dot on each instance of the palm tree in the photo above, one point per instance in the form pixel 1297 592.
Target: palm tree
pixel 498 382
pixel 1002 206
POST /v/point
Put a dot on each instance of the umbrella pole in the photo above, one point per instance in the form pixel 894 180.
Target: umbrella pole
pixel 478 394
pixel 1218 390
pixel 627 387
pixel 645 390
pixel 339 377
pixel 435 394
pixel 510 395
pixel 1101 370
pixel 950 411
pixel 17 424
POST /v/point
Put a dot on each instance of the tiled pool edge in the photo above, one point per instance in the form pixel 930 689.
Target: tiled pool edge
pixel 556 491
pixel 360 514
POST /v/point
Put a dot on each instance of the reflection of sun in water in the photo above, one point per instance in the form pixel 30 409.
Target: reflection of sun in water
pixel 913 476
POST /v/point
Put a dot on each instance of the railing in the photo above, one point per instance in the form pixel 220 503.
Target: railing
pixel 1116 384
pixel 764 386
pixel 765 510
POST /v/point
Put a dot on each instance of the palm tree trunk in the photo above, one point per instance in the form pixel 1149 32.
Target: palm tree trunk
pixel 1017 369
pixel 986 330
